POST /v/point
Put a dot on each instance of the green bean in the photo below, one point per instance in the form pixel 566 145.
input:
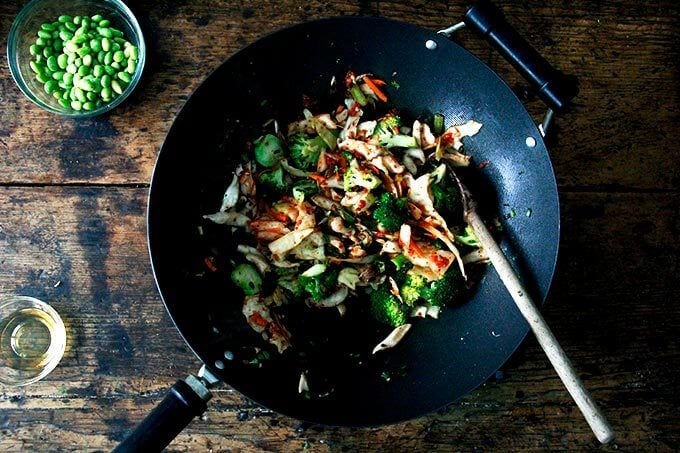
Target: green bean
pixel 72 68
pixel 34 49
pixel 44 34
pixel 48 27
pixel 105 81
pixel 76 105
pixel 95 45
pixel 36 67
pixel 104 31
pixel 87 60
pixel 104 23
pixel 110 70
pixel 97 18
pixel 42 78
pixel 108 58
pixel 70 26
pixel 118 56
pixel 47 52
pixel 58 45
pixel 106 94
pixel 115 65
pixel 42 42
pixel 83 70
pixel 58 75
pixel 68 79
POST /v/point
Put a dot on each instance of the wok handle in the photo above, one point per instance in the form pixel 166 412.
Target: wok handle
pixel 184 401
pixel 553 87
pixel 558 358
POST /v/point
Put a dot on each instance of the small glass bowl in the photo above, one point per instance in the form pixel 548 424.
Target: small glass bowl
pixel 23 34
pixel 32 340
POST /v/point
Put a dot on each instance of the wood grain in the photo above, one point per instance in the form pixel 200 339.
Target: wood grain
pixel 625 54
pixel 123 351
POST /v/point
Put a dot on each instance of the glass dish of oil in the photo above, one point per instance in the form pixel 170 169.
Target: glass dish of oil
pixel 32 340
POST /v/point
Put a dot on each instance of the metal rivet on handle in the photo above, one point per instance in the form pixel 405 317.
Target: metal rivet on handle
pixel 228 355
pixel 531 142
pixel 219 364
pixel 430 44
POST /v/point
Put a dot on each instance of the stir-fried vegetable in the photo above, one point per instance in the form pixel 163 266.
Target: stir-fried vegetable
pixel 341 204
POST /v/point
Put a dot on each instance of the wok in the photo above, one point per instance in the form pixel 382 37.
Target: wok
pixel 440 360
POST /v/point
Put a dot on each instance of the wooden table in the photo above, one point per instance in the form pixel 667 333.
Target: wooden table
pixel 72 232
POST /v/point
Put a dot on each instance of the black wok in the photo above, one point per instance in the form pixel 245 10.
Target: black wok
pixel 440 360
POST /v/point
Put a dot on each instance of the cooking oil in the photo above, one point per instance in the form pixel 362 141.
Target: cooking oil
pixel 32 341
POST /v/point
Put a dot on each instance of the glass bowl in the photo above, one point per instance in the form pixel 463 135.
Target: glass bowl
pixel 24 33
pixel 32 340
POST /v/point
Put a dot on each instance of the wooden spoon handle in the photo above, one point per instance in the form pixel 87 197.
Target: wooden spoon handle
pixel 558 358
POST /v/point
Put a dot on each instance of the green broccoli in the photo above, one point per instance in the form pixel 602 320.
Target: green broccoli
pixel 268 150
pixel 386 308
pixel 446 290
pixel 412 288
pixel 303 189
pixel 390 212
pixel 272 181
pixel 447 201
pixel 362 178
pixel 305 150
pixel 468 237
pixel 386 132
pixel 321 285
pixel 386 127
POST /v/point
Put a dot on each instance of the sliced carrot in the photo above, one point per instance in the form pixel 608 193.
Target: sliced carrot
pixel 208 261
pixel 317 177
pixel 379 82
pixel 374 88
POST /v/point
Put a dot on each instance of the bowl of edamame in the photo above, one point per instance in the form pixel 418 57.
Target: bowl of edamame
pixel 79 58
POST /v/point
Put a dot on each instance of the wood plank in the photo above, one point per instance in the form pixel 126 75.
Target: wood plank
pixel 620 136
pixel 612 306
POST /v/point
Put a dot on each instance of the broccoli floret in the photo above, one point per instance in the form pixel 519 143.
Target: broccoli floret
pixel 412 288
pixel 272 181
pixel 268 150
pixel 386 132
pixel 447 201
pixel 468 237
pixel 362 178
pixel 319 286
pixel 305 150
pixel 390 211
pixel 446 290
pixel 303 189
pixel 386 127
pixel 386 308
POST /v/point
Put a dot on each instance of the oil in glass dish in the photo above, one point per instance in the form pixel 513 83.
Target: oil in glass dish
pixel 32 340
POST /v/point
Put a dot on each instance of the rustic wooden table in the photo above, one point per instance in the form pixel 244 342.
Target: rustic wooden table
pixel 72 232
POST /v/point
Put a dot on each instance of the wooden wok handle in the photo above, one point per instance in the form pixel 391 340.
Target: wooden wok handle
pixel 184 401
pixel 558 358
pixel 553 87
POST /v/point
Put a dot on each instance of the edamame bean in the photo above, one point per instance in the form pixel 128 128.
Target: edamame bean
pixel 82 61
pixel 116 87
pixel 52 63
pixel 124 76
pixel 62 61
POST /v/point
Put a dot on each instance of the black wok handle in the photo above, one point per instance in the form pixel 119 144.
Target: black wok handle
pixel 181 404
pixel 553 87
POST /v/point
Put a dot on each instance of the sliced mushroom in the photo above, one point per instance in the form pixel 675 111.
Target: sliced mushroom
pixel 393 338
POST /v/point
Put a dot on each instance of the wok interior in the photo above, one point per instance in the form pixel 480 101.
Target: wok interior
pixel 440 360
